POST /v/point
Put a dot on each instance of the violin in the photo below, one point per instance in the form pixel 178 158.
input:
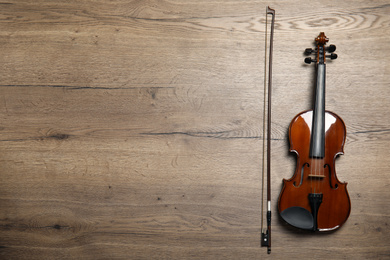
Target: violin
pixel 313 198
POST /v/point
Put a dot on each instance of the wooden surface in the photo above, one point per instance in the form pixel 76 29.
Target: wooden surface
pixel 133 129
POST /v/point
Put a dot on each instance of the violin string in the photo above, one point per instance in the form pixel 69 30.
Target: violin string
pixel 319 161
pixel 310 174
pixel 316 176
pixel 312 168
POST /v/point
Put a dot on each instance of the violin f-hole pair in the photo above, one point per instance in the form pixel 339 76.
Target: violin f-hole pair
pixel 313 198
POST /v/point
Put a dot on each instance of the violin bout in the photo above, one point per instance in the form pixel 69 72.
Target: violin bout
pixel 314 199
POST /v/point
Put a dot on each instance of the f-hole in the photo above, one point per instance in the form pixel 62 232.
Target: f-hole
pixel 330 177
pixel 302 171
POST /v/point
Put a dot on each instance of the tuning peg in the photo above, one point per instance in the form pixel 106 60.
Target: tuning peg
pixel 332 56
pixel 331 48
pixel 309 60
pixel 308 51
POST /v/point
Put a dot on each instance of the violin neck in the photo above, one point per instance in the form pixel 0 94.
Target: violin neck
pixel 317 143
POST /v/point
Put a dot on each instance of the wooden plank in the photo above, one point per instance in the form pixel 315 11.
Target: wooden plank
pixel 133 130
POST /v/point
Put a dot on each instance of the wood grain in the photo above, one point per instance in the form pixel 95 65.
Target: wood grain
pixel 133 129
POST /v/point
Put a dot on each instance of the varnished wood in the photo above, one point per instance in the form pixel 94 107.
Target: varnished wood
pixel 336 205
pixel 132 129
pixel 314 199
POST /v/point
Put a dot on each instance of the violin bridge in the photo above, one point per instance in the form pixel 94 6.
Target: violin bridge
pixel 319 176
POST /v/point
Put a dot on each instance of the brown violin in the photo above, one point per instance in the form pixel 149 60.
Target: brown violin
pixel 314 199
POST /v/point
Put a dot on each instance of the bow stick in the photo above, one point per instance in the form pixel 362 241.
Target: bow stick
pixel 266 233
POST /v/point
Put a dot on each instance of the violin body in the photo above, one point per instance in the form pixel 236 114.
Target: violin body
pixel 315 173
pixel 313 198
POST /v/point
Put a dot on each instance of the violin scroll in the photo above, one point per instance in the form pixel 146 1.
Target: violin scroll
pixel 321 39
